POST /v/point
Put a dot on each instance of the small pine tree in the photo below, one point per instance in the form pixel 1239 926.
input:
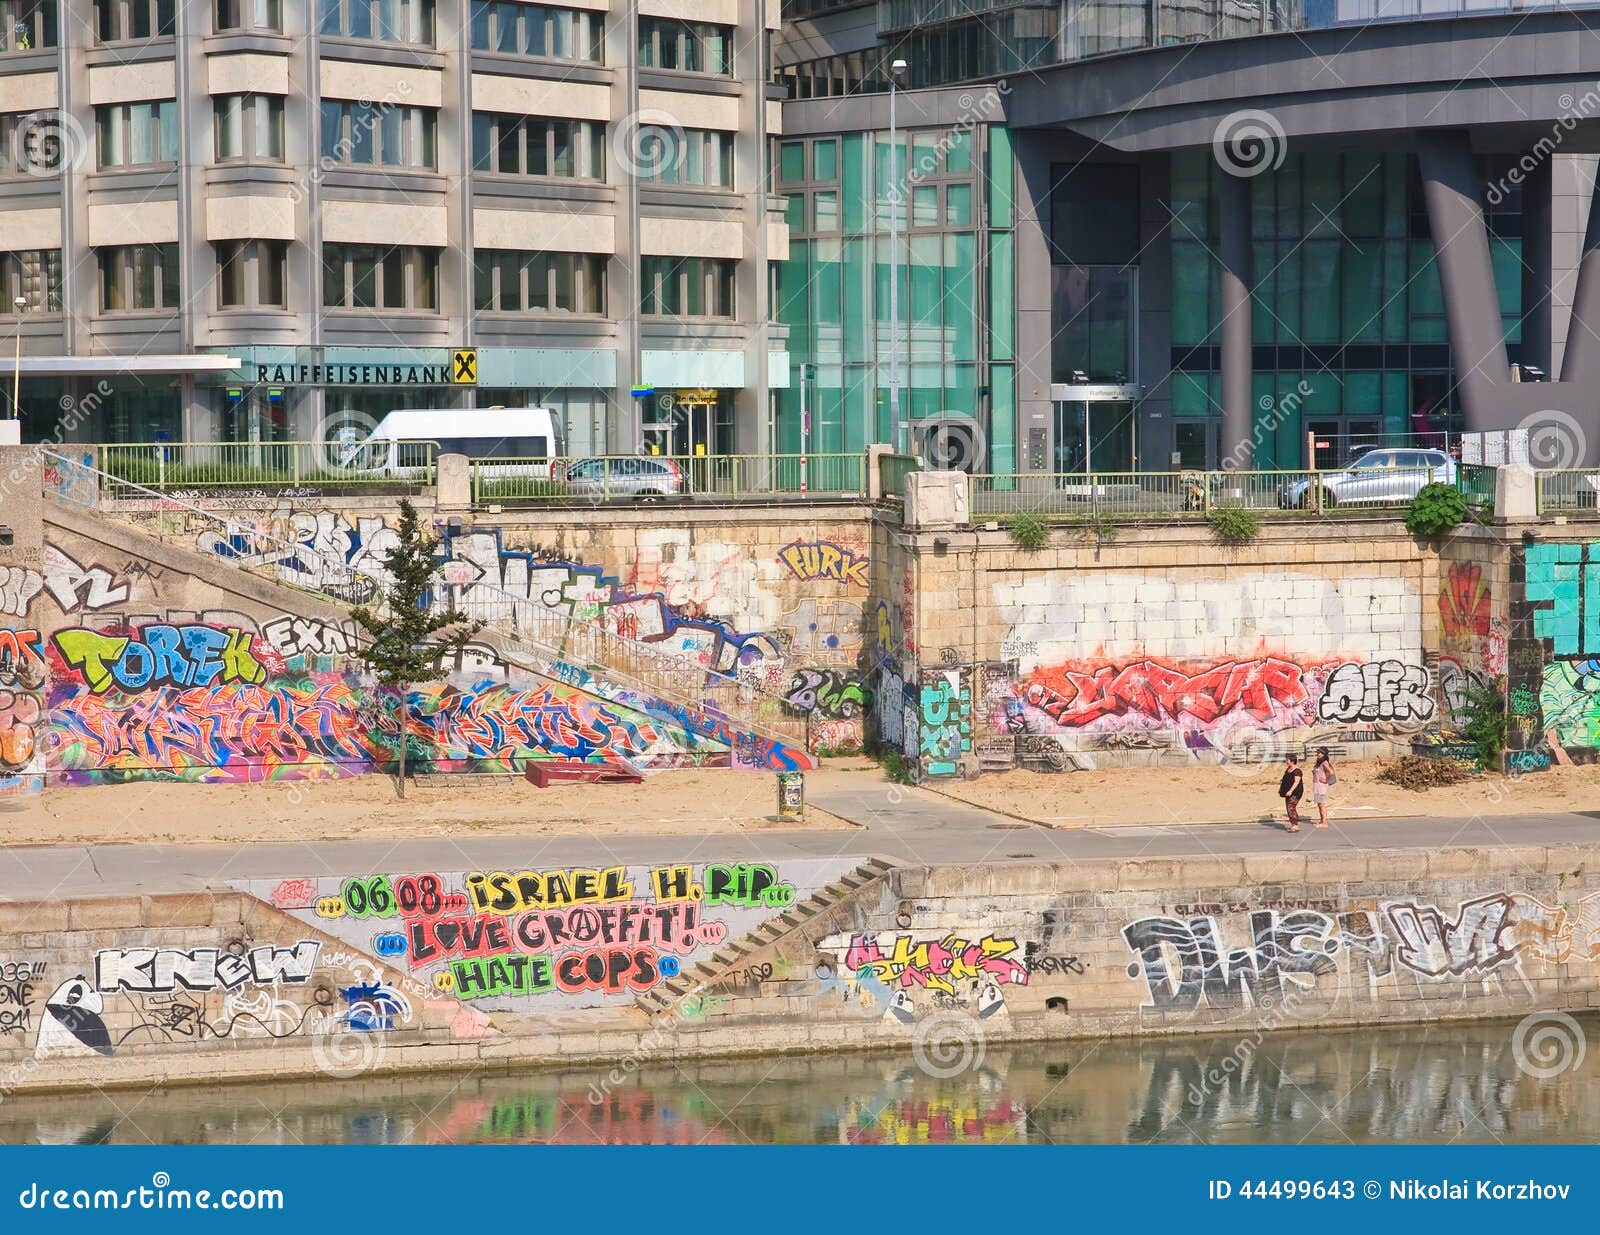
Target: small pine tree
pixel 404 642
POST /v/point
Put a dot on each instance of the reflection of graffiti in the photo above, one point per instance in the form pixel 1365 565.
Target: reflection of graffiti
pixel 827 692
pixel 945 719
pixel 1377 691
pixel 1464 602
pixel 18 587
pixel 822 559
pixel 161 655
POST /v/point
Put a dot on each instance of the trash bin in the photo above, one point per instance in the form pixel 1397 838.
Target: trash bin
pixel 791 795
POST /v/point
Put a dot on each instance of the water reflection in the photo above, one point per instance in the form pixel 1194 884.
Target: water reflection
pixel 1411 1085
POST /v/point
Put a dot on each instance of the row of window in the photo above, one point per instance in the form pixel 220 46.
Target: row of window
pixel 506 26
pixel 254 274
pixel 250 126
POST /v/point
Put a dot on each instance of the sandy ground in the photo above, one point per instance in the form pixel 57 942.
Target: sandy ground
pixel 1212 795
pixel 720 801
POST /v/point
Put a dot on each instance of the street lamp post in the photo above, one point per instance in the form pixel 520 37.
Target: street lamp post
pixel 21 303
pixel 896 203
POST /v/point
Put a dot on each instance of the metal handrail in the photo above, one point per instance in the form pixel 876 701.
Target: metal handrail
pixel 653 671
pixel 215 465
pixel 603 478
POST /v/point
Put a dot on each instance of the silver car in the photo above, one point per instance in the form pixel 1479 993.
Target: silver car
pixel 642 477
pixel 1379 477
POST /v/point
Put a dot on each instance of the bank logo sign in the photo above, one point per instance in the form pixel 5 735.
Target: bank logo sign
pixel 464 366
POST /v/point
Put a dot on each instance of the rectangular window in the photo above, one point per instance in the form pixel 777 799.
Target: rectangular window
pixel 30 143
pixel 119 21
pixel 138 278
pixel 248 14
pixel 685 46
pixel 26 25
pixel 538 146
pixel 137 134
pixel 250 274
pixel 378 135
pixel 387 21
pixel 515 282
pixel 537 30
pixel 356 276
pixel 248 126
pixel 687 287
pixel 698 157
pixel 33 275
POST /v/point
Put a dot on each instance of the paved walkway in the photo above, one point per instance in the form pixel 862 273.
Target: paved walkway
pixel 896 823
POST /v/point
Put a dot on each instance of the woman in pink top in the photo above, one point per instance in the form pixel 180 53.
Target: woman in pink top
pixel 1322 779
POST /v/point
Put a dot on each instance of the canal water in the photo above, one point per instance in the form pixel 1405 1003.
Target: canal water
pixel 1413 1085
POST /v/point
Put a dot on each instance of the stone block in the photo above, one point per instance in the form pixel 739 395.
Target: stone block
pixel 108 912
pixel 192 909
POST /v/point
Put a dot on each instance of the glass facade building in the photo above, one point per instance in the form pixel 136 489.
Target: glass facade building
pixel 955 272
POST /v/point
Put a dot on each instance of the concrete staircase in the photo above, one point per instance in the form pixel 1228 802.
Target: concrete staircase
pixel 586 657
pixel 791 935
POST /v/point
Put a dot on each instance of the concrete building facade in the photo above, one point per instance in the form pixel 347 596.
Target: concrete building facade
pixel 278 219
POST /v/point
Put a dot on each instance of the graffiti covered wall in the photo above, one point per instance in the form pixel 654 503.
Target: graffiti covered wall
pixel 1553 670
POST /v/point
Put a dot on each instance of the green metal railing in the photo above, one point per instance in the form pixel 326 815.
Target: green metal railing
pixel 1476 482
pixel 1572 488
pixel 1178 495
pixel 165 466
pixel 622 478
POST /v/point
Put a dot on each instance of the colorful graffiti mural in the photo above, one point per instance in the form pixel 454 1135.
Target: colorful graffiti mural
pixel 904 975
pixel 572 936
pixel 1556 657
pixel 23 674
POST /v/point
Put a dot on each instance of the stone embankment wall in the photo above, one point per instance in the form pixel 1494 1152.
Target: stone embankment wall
pixel 400 970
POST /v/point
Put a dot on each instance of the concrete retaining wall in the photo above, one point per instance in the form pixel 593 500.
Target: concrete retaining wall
pixel 306 976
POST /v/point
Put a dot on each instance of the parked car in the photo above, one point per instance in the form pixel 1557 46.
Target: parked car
pixel 642 477
pixel 1377 478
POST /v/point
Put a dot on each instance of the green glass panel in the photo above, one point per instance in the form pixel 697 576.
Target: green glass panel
pixel 794 212
pixel 1362 275
pixel 1363 394
pixel 1190 194
pixel 857 410
pixel 958 205
pixel 1002 418
pixel 854 182
pixel 1261 206
pixel 1189 395
pixel 825 160
pixel 1002 295
pixel 958 152
pixel 1395 403
pixel 927 295
pixel 1394 291
pixel 1263 298
pixel 792 162
pixel 1322 208
pixel 960 296
pixel 1322 394
pixel 825 211
pixel 1506 254
pixel 1319 322
pixel 857 282
pixel 890 170
pixel 1427 302
pixel 827 309
pixel 1395 169
pixel 1286 303
pixel 1001 188
pixel 1289 225
pixel 925 205
pixel 1191 284
pixel 1363 196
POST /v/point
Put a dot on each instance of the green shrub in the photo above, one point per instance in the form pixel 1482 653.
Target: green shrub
pixel 896 766
pixel 1028 530
pixel 1235 525
pixel 1485 723
pixel 1436 509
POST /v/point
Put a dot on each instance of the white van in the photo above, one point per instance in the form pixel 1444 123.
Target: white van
pixel 405 441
